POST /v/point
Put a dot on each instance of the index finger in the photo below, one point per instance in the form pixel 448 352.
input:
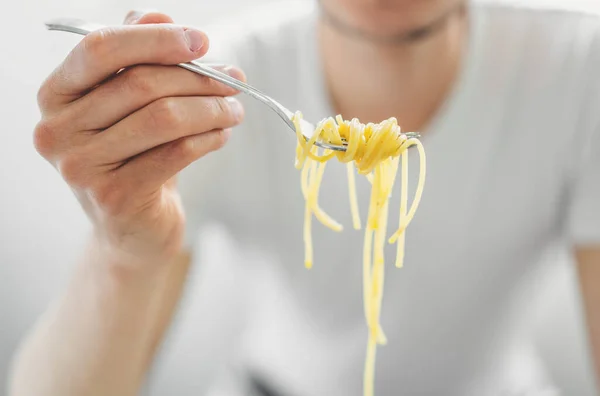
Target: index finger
pixel 104 52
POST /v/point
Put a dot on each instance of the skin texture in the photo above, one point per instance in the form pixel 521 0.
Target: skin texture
pixel 119 140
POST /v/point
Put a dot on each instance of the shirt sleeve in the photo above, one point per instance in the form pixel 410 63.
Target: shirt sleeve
pixel 584 211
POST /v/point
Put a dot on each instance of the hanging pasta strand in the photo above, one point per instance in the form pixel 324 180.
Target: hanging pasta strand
pixel 375 151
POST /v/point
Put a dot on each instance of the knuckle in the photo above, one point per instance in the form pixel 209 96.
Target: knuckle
pixel 44 94
pixel 72 169
pixel 213 141
pixel 168 38
pixel 220 138
pixel 168 35
pixel 110 198
pixel 49 90
pixel 226 112
pixel 139 80
pixel 165 113
pixel 187 148
pixel 221 107
pixel 218 112
pixel 44 138
pixel 97 43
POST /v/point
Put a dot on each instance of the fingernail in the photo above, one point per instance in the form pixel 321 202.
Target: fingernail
pixel 234 72
pixel 194 39
pixel 133 16
pixel 236 108
pixel 227 132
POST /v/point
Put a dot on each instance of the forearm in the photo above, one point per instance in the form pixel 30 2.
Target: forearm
pixel 589 279
pixel 100 337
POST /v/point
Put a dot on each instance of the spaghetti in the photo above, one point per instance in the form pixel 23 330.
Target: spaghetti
pixel 376 151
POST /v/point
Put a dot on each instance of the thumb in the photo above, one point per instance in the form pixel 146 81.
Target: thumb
pixel 137 17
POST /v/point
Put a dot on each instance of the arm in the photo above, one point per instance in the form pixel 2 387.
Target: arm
pixel 588 264
pixel 100 337
pixel 119 127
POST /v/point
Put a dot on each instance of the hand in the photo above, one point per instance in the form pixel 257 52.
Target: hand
pixel 119 122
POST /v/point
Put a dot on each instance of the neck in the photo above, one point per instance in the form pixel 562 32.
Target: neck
pixel 374 81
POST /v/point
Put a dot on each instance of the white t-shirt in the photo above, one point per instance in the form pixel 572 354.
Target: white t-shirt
pixel 513 183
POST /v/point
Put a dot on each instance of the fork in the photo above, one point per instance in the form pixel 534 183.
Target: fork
pixel 81 27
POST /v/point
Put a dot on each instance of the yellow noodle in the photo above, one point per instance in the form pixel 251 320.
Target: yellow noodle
pixel 403 204
pixel 353 199
pixel 375 150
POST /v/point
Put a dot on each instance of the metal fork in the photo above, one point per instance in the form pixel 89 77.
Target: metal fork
pixel 82 27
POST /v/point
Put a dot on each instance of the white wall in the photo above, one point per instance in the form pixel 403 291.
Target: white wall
pixel 41 226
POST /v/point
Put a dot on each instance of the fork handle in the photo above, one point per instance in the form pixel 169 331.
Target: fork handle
pixel 84 28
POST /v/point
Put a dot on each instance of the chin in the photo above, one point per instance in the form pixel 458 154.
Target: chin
pixel 387 19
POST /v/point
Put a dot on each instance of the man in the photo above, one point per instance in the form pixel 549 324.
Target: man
pixel 506 97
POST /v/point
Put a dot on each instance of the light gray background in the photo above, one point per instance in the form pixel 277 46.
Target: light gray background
pixel 42 229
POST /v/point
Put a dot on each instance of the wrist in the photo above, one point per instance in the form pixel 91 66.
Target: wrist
pixel 127 263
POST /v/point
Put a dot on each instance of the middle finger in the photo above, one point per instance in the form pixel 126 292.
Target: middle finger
pixel 138 86
pixel 160 122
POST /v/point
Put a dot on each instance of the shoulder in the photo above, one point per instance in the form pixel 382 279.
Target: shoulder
pixel 547 55
pixel 555 22
pixel 543 8
pixel 544 44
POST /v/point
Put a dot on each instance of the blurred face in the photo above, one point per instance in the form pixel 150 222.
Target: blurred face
pixel 389 20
